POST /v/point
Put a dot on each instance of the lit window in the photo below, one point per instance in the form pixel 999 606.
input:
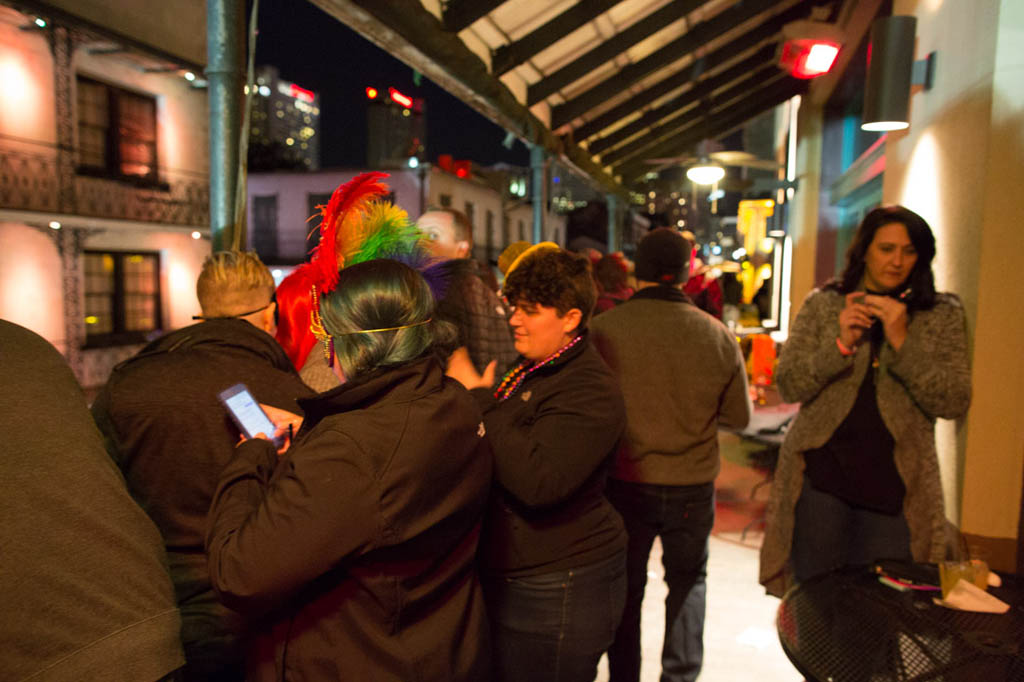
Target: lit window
pixel 122 297
pixel 116 131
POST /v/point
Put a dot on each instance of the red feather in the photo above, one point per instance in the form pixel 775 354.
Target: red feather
pixel 347 198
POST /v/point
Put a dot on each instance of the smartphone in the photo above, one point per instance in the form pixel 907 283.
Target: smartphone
pixel 247 413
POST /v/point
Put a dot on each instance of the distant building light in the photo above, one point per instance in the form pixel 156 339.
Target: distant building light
pixel 189 76
pixel 54 225
pixel 265 90
pixel 406 112
pixel 290 141
pixel 682 202
pixel 398 97
pixel 739 253
pixel 40 22
pixel 680 223
pixel 245 89
pixel 716 249
pixel 91 319
pixel 556 179
pixel 651 194
pixel 413 162
pixel 196 234
pixel 371 92
pixel 776 233
pixel 301 93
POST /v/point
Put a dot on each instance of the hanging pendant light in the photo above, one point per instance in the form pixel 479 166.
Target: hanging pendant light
pixel 705 173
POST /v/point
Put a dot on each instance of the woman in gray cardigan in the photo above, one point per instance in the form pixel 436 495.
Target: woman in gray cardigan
pixel 874 357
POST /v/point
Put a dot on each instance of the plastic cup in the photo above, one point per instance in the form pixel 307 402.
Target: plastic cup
pixel 952 571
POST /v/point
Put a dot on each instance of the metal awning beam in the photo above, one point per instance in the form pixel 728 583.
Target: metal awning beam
pixel 718 106
pixel 700 66
pixel 407 31
pixel 459 14
pixel 763 100
pixel 507 57
pixel 611 48
pixel 687 98
pixel 696 37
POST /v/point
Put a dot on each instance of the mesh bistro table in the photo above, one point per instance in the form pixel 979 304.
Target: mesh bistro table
pixel 849 627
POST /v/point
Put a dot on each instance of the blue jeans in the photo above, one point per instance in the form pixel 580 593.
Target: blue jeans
pixel 683 516
pixel 828 533
pixel 554 627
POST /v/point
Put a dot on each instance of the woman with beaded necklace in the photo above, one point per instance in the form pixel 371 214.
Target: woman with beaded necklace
pixel 553 548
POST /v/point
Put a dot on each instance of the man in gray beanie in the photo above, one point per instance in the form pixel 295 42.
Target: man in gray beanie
pixel 682 375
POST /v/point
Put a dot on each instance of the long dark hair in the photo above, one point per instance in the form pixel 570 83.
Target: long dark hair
pixel 921 281
pixel 380 294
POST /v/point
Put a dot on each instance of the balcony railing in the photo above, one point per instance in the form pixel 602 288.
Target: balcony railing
pixel 29 181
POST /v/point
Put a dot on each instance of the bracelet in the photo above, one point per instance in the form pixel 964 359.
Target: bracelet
pixel 843 349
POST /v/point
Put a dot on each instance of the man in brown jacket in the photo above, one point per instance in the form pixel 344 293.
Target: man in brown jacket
pixel 682 375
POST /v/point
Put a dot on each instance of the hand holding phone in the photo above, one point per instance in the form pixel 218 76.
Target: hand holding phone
pixel 248 415
pixel 854 319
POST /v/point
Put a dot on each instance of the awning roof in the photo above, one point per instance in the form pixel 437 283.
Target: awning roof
pixel 605 84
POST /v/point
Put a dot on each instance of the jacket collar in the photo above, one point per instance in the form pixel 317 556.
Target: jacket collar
pixel 399 384
pixel 230 332
pixel 662 293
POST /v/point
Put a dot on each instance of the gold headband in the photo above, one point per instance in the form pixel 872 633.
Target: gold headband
pixel 316 326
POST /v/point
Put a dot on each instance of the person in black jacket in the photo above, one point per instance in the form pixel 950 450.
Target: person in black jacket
pixel 165 427
pixel 553 550
pixel 357 547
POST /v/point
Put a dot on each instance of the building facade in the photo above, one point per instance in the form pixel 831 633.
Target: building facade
pixel 104 193
pixel 281 204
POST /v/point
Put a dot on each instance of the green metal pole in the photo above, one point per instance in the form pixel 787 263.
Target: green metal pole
pixel 537 166
pixel 613 222
pixel 224 50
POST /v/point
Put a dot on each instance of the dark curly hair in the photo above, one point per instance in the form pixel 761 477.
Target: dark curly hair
pixel 921 280
pixel 558 279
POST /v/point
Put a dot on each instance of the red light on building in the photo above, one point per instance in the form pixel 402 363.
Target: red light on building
pixel 371 92
pixel 446 163
pixel 463 169
pixel 398 97
pixel 808 58
pixel 301 93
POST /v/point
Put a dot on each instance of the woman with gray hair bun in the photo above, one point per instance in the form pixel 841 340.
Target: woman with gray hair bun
pixel 357 547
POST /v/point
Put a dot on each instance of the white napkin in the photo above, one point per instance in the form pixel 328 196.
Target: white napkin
pixel 966 596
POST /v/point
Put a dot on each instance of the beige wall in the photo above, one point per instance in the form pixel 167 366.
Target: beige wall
pixel 147 22
pixel 30 282
pixel 959 165
pixel 26 71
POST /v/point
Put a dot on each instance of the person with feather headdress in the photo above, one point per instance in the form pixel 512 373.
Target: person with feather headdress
pixel 354 545
pixel 356 226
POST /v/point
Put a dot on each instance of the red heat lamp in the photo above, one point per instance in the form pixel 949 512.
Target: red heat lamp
pixel 810 48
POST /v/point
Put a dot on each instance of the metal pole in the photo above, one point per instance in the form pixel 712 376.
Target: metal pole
pixel 613 222
pixel 537 166
pixel 224 22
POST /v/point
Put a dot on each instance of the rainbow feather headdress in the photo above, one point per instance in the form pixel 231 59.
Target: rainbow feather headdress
pixel 355 226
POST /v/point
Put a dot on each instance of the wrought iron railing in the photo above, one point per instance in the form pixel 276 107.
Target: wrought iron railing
pixel 29 180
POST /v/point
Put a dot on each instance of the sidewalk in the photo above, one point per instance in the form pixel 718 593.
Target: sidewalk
pixel 740 642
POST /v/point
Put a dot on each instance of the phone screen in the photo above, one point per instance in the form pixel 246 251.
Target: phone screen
pixel 246 412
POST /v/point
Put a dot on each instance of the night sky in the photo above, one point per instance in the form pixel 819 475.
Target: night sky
pixel 318 52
